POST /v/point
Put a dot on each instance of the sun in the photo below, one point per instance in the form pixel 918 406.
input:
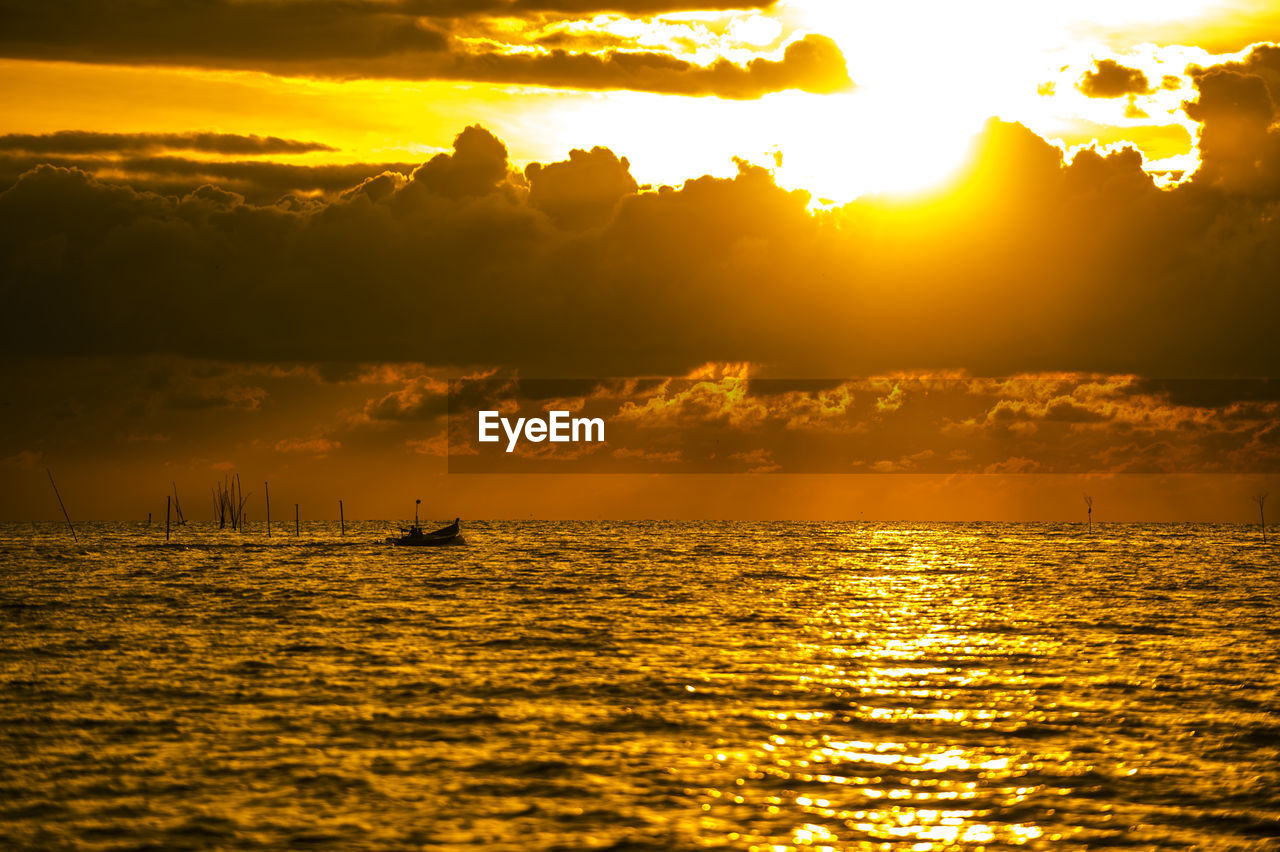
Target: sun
pixel 929 73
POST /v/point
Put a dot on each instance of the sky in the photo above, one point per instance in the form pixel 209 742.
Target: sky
pixel 809 259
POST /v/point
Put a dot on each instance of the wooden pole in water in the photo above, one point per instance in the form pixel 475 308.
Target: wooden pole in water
pixel 342 520
pixel 297 523
pixel 167 502
pixel 240 499
pixel 1260 499
pixel 70 526
pixel 177 505
pixel 266 492
pixel 148 519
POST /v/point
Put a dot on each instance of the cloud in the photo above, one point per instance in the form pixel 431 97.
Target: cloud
pixel 584 8
pixel 1262 60
pixel 1132 110
pixel 476 167
pixel 569 270
pixel 414 40
pixel 758 460
pixel 1157 141
pixel 259 182
pixel 945 424
pixel 420 398
pixel 25 460
pixel 628 454
pixel 1239 148
pixel 234 396
pixel 222 33
pixel 319 447
pixel 85 142
pixel 1110 79
pixel 1014 465
pixel 813 63
pixel 1058 423
pixel 582 190
pixel 904 464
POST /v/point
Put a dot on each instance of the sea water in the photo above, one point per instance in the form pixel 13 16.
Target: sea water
pixel 641 686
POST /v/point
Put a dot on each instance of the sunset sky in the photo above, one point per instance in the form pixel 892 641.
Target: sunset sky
pixel 1017 251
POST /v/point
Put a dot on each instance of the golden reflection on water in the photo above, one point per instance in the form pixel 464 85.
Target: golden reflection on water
pixel 892 793
pixel 927 811
pixel 642 687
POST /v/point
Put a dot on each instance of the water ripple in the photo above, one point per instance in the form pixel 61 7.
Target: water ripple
pixel 641 686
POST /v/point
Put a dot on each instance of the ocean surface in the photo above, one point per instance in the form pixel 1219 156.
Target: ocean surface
pixel 641 686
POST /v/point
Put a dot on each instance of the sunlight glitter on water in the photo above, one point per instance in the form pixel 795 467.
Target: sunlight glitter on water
pixel 641 686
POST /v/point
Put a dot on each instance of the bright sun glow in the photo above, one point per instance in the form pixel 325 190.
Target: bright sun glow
pixel 927 76
pixel 930 73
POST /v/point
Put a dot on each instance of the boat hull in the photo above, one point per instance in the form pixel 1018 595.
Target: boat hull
pixel 427 541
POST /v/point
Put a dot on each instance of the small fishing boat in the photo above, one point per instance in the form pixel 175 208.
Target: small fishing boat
pixel 414 536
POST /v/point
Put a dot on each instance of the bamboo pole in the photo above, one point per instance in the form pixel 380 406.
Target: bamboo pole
pixel 342 520
pixel 240 500
pixel 1261 499
pixel 167 502
pixel 297 523
pixel 266 492
pixel 177 504
pixel 70 526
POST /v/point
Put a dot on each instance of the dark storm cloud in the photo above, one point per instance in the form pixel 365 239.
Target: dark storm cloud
pixel 1028 263
pixel 1110 79
pixel 412 40
pixel 85 142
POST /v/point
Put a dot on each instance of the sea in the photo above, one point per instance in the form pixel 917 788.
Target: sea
pixel 641 686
